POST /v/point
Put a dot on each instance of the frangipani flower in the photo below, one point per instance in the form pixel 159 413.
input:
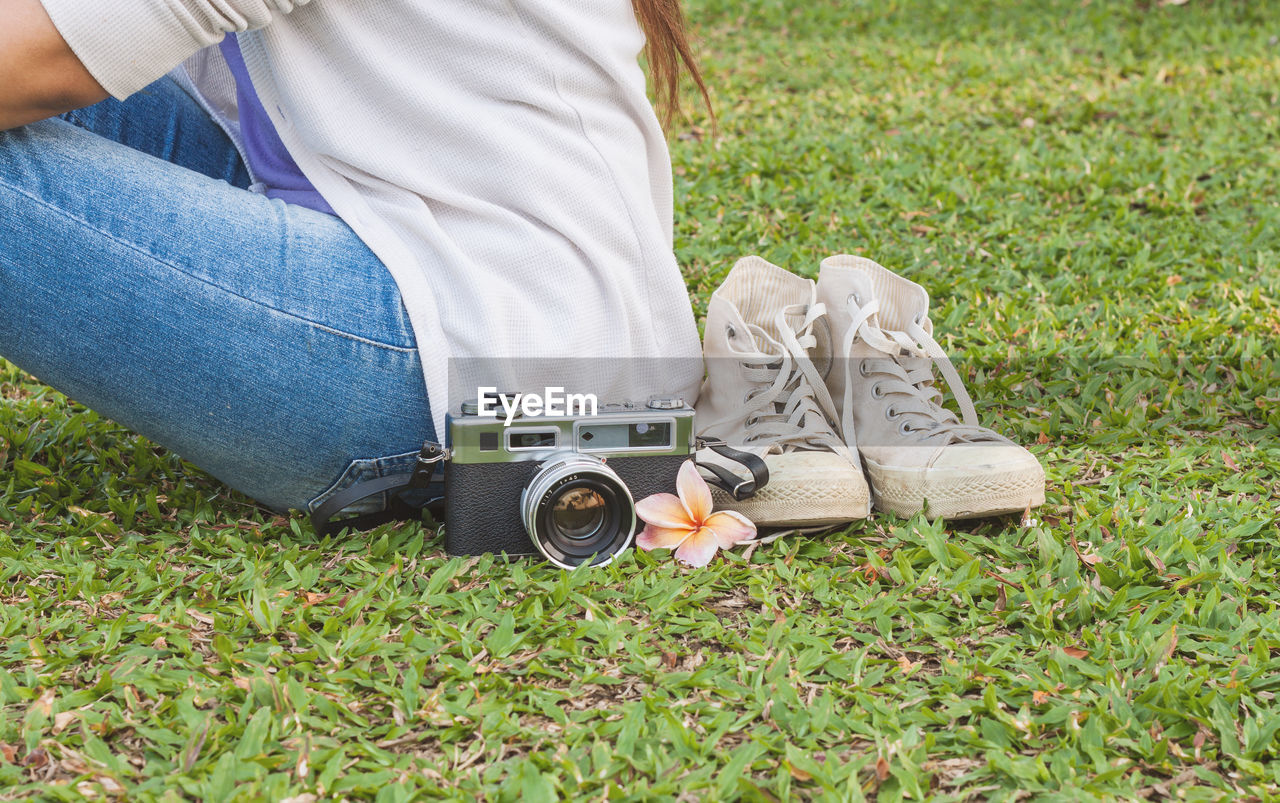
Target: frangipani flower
pixel 686 524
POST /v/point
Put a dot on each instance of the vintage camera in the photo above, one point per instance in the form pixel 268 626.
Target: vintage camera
pixel 563 487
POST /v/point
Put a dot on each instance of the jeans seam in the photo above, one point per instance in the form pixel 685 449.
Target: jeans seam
pixel 385 466
pixel 132 247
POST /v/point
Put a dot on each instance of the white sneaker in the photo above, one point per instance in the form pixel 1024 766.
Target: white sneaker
pixel 917 454
pixel 764 394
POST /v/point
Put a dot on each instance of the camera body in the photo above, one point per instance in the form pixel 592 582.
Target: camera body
pixel 560 486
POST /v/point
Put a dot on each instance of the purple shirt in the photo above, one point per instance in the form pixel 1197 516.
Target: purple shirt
pixel 269 160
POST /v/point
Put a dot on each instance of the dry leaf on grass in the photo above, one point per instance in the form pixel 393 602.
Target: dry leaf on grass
pixel 62 719
pixel 36 759
pixel 798 774
pixel 101 784
pixel 882 769
pixel 44 703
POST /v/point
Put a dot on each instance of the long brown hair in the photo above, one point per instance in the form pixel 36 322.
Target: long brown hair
pixel 667 51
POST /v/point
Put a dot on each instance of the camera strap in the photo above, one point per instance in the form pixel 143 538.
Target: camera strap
pixel 728 481
pixel 429 459
pixel 432 455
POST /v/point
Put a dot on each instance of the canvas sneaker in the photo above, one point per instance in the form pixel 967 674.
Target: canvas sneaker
pixel 764 394
pixel 917 453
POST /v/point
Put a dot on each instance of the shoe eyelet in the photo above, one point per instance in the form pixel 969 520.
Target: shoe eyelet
pixel 862 368
pixel 752 420
pixel 875 391
pixel 905 428
pixel 890 413
pixel 730 331
pixel 751 394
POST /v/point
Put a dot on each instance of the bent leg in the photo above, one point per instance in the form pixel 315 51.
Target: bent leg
pixel 167 123
pixel 261 341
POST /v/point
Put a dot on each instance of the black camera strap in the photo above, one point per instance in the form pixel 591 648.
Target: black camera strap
pixel 429 459
pixel 432 456
pixel 728 481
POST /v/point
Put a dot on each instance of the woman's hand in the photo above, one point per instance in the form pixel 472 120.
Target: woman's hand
pixel 39 74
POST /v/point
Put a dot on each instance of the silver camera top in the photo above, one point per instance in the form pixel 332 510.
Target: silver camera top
pixel 496 401
pixel 494 433
pixel 665 403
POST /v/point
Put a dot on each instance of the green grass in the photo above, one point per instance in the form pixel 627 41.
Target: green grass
pixel 1086 188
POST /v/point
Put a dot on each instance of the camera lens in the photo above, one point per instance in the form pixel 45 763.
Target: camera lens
pixel 576 510
pixel 578 513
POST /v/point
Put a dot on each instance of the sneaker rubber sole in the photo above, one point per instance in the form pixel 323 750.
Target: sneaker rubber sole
pixel 805 489
pixel 955 493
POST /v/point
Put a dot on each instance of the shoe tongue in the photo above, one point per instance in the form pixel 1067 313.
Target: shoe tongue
pixel 901 301
pixel 758 289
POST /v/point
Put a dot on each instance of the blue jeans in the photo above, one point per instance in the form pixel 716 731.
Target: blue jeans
pixel 262 342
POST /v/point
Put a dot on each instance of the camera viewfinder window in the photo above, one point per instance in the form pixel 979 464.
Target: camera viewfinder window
pixel 518 439
pixel 649 435
pixel 619 437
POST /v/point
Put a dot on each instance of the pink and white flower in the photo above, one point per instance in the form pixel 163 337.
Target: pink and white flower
pixel 683 521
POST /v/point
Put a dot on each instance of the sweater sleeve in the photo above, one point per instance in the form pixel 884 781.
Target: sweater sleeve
pixel 127 44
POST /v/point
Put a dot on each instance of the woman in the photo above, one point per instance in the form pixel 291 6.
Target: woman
pixel 285 256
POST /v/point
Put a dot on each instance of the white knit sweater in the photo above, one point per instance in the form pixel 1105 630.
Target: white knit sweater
pixel 499 156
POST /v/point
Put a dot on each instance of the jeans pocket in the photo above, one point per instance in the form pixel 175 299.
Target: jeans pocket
pixel 362 471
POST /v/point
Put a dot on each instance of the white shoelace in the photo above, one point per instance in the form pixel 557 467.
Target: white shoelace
pixel 795 409
pixel 923 400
